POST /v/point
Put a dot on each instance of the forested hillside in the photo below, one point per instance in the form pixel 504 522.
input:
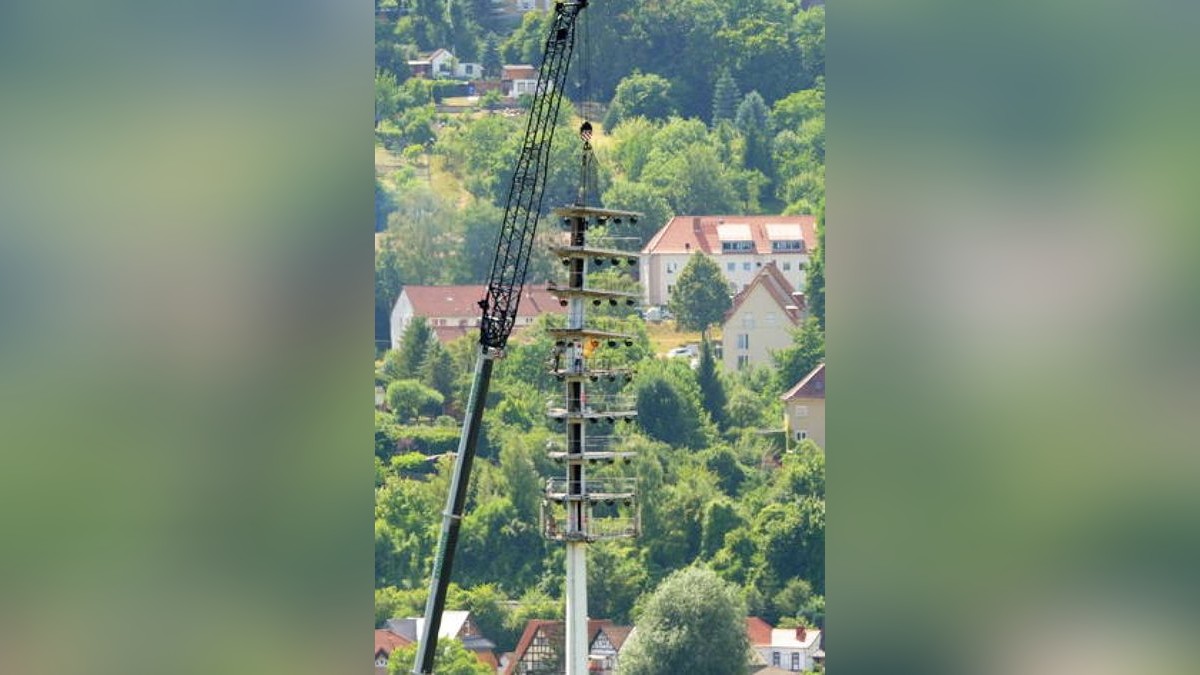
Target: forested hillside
pixel 703 107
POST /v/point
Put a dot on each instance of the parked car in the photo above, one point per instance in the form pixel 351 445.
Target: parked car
pixel 689 351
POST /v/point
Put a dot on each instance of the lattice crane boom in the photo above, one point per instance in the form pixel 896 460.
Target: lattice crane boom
pixel 505 283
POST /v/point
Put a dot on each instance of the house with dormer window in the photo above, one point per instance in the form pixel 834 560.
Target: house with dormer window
pixel 740 245
pixel 761 319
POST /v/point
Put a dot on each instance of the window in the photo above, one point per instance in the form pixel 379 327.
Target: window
pixel 670 288
pixel 795 660
pixel 758 264
pixel 748 320
pixel 381 662
pixel 742 361
pixel 671 267
pixel 771 319
pixel 743 341
pixel 731 246
pixel 729 267
pixel 801 435
pixel 745 267
pixel 801 411
pixel 775 658
pixel 787 245
pixel 787 267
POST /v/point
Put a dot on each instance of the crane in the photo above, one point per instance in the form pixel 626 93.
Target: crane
pixel 521 214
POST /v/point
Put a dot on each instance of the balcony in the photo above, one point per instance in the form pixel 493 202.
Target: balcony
pixel 595 407
pixel 595 449
pixel 554 524
pixel 594 490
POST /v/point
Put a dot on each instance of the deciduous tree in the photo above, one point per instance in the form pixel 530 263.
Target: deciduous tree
pixel 409 398
pixel 806 351
pixel 701 295
pixel 640 95
pixel 693 623
pixel 452 658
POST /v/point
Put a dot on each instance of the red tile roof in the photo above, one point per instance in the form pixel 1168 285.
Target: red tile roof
pixel 810 386
pixel 686 234
pixel 758 631
pixel 618 635
pixel 780 289
pixel 518 72
pixel 434 302
pixel 387 642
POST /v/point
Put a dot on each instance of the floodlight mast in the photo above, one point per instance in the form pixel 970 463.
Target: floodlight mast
pixel 521 214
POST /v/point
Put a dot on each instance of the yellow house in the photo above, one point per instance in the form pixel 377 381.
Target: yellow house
pixel 761 319
pixel 804 408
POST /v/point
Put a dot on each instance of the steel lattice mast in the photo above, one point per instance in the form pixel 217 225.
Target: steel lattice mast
pixel 576 509
pixel 521 214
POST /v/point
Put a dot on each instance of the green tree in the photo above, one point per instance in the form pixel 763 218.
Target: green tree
pixel 640 95
pixel 720 518
pixel 414 345
pixel 386 94
pixel 437 370
pixel 492 62
pixel 632 196
pixel 701 295
pixel 452 658
pixel 814 282
pixel 810 36
pixel 712 390
pixel 805 352
pixel 693 623
pixel 409 399
pixel 533 604
pixel 797 108
pixel 754 121
pixel 668 403
pixel 725 97
pixel 480 221
pixel 616 577
pixel 389 281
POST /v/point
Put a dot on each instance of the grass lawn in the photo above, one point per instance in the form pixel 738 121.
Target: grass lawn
pixel 664 337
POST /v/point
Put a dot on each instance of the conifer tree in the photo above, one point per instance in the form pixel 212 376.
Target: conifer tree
pixel 814 288
pixel 712 390
pixel 725 97
pixel 413 347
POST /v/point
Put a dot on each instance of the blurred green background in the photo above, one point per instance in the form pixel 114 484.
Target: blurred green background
pixel 185 337
pixel 1012 327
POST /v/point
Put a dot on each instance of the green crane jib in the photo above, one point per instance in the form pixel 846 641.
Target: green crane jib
pixel 521 214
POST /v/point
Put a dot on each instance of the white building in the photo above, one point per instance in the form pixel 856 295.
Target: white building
pixel 516 80
pixel 442 64
pixel 741 245
pixel 453 311
pixel 792 649
pixel 761 319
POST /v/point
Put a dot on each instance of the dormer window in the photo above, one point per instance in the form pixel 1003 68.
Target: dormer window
pixel 735 238
pixel 785 237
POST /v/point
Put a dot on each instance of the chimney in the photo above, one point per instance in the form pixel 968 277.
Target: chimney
pixel 800 633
